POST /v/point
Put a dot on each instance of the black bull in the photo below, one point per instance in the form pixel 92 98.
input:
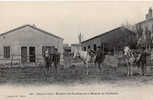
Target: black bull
pixel 52 59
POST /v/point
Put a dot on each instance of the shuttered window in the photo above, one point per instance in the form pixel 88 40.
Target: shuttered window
pixel 6 52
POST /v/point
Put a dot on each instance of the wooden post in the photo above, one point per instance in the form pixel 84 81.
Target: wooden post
pixel 114 51
pixel 103 48
pixel 11 60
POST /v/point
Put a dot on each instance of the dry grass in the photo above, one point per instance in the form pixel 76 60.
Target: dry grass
pixel 71 75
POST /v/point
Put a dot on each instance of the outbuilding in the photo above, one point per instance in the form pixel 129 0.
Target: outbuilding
pixel 25 45
pixel 113 40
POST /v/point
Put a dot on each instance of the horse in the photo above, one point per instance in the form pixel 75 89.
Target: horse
pixel 142 61
pixel 51 59
pixel 99 58
pixel 85 57
pixel 134 58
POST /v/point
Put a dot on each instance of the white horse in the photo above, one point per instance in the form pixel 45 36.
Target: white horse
pixel 131 58
pixel 85 57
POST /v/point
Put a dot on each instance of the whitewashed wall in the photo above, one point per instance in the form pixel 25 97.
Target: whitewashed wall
pixel 28 36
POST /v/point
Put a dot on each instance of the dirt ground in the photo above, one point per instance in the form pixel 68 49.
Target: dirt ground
pixel 74 75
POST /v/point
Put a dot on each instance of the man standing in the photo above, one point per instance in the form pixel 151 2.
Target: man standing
pixel 47 59
pixel 99 57
pixel 56 58
pixel 143 61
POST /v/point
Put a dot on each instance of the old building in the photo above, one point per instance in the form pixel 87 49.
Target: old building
pixel 112 40
pixel 144 29
pixel 25 44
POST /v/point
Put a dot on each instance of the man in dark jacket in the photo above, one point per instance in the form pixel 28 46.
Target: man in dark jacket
pixel 143 61
pixel 99 57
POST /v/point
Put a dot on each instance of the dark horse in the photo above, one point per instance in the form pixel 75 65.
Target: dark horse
pixel 100 57
pixel 141 63
pixel 50 59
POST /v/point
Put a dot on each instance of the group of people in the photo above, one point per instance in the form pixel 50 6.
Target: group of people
pixel 132 57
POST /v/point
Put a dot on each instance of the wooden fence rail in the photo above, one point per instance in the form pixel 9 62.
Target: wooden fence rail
pixel 15 60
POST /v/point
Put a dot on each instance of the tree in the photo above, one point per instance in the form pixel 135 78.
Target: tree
pixel 148 38
pixel 138 31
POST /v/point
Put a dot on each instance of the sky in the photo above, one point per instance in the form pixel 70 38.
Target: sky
pixel 69 19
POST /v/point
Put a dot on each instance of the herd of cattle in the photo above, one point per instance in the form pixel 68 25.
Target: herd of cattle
pixel 131 57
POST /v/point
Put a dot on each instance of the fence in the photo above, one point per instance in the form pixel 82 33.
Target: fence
pixel 16 61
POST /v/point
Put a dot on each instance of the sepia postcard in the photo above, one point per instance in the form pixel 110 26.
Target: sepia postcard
pixel 76 50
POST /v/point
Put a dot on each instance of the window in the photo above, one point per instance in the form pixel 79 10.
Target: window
pixel 6 52
pixel 84 48
pixel 95 47
pixel 89 47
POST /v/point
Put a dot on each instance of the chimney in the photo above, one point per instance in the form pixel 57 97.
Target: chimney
pixel 146 17
pixel 149 14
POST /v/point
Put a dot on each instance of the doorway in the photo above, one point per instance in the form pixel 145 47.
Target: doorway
pixel 23 54
pixel 32 56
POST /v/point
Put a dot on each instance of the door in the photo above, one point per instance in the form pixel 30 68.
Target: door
pixel 23 54
pixel 32 56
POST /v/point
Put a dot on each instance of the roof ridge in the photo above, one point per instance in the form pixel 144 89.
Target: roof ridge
pixel 48 33
pixel 14 29
pixel 106 33
pixel 41 30
pixel 102 34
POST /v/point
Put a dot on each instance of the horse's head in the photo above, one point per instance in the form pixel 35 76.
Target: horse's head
pixel 126 50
